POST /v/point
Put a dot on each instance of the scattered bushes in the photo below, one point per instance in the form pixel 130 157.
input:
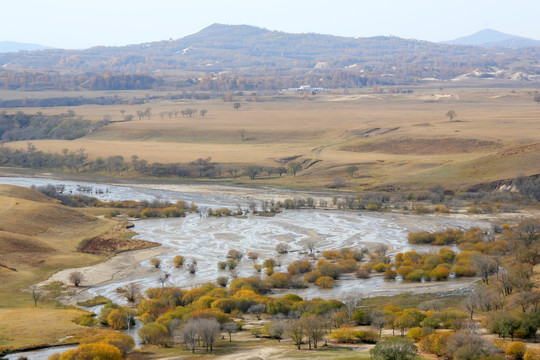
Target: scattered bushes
pixel 179 261
pixel 282 248
pixel 299 267
pixel 325 282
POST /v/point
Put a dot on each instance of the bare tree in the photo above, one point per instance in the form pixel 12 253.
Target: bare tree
pixel 252 207
pixel 269 170
pixel 351 304
pixel 294 167
pixel 190 335
pixel 451 114
pixel 486 298
pixel 76 278
pixel 484 266
pixel 36 294
pixel 314 329
pixel 470 304
pixel 257 310
pixel 252 171
pixel 229 328
pixel 295 329
pixel 148 113
pixel 378 321
pixel 506 281
pixel 163 278
pixel 527 299
pixel 277 329
pixel 338 182
pixel 208 332
pixel 527 235
pixel 233 171
pixel 310 244
pixel 237 106
pixel 381 249
pixel 192 267
pixel 131 292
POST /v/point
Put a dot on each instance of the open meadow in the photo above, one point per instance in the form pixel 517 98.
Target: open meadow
pixel 393 139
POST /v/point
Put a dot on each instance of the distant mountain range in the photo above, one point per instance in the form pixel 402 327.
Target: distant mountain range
pixel 259 54
pixel 489 38
pixel 11 46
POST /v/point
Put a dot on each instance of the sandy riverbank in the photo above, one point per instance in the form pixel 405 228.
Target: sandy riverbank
pixel 123 267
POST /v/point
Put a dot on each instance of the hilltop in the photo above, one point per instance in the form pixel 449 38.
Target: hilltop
pixel 234 50
pixel 489 38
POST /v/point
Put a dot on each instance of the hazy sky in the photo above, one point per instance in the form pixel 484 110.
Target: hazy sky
pixel 85 23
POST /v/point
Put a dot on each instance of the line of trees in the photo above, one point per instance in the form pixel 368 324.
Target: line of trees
pixel 78 161
pixel 23 126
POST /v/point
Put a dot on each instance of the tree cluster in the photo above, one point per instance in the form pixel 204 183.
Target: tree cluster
pixel 23 126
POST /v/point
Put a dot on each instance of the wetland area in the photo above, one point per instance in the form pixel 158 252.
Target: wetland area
pixel 208 239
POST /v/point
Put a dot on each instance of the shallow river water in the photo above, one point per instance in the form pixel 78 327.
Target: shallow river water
pixel 207 240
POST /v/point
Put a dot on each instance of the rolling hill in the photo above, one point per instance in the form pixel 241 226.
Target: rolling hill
pixel 256 52
pixel 37 231
pixel 489 38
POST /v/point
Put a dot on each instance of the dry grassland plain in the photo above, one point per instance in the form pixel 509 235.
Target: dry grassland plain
pixel 39 237
pixel 394 139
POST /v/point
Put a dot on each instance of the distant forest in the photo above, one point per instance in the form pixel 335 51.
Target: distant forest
pixel 224 58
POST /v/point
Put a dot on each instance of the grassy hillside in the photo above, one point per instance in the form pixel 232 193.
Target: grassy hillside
pixel 393 139
pixel 37 238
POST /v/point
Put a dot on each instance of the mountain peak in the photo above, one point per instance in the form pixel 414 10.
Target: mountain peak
pixel 224 29
pixel 493 38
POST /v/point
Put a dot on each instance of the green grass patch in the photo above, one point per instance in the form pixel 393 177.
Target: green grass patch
pixel 98 300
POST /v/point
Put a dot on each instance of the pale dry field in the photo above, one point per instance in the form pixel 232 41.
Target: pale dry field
pixel 392 138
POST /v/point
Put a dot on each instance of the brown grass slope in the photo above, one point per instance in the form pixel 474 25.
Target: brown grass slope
pixel 38 237
pixel 409 145
pixel 393 138
pixel 19 192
